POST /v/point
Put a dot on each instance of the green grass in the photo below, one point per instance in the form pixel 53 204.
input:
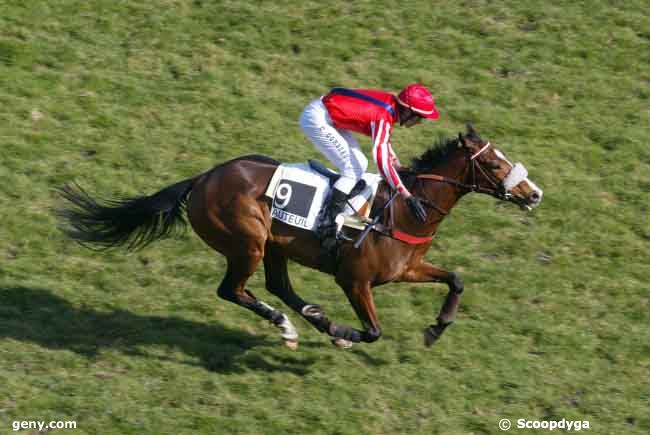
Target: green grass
pixel 128 97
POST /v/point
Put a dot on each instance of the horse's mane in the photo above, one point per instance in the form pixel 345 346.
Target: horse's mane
pixel 435 155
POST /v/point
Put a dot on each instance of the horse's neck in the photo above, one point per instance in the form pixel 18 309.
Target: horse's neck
pixel 443 195
pixel 448 194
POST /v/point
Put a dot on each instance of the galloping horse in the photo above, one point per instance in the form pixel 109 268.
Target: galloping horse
pixel 228 209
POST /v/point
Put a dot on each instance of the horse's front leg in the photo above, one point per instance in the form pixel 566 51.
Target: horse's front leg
pixel 278 283
pixel 425 272
pixel 359 294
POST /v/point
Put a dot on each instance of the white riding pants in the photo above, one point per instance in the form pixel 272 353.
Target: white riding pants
pixel 338 145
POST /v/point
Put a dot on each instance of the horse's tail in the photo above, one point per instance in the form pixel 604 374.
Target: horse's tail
pixel 131 222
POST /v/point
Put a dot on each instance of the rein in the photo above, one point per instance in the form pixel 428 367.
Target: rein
pixel 473 187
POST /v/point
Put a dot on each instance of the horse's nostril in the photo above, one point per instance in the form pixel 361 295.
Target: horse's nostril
pixel 534 196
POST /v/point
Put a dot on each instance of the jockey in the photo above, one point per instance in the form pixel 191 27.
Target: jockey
pixel 329 122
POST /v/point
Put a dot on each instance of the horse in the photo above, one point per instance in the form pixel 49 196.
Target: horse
pixel 227 208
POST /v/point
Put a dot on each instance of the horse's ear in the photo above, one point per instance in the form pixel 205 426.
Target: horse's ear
pixel 461 140
pixel 470 129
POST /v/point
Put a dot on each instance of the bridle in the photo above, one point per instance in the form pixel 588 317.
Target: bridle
pixel 500 189
pixel 497 190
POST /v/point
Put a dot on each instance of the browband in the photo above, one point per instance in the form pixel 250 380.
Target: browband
pixel 479 152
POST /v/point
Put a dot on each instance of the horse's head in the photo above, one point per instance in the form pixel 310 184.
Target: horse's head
pixel 491 172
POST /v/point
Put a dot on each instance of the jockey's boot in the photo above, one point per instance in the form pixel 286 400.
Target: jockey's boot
pixel 327 229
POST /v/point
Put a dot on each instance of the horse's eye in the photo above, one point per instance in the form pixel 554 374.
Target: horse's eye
pixel 494 164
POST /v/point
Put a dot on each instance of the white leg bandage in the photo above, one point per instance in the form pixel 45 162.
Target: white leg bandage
pixel 289 331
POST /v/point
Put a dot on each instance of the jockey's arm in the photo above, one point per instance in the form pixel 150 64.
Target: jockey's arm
pixel 385 158
pixel 394 159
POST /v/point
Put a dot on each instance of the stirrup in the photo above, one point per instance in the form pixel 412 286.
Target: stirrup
pixel 342 236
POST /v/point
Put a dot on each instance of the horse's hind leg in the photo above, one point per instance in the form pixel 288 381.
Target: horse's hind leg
pixel 232 289
pixel 279 284
pixel 226 211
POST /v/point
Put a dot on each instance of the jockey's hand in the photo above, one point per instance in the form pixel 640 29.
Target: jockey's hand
pixel 396 163
pixel 416 208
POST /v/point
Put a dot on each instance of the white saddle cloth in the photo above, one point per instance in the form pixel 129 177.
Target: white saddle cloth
pixel 298 193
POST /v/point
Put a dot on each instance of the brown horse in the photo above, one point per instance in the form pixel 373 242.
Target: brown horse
pixel 228 209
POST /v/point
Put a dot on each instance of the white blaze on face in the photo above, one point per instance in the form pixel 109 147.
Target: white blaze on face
pixel 517 174
pixel 539 192
pixel 502 157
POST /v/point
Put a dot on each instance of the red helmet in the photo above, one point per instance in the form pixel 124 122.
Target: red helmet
pixel 418 98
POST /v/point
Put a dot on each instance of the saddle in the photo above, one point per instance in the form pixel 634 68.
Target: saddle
pixel 333 177
pixel 298 192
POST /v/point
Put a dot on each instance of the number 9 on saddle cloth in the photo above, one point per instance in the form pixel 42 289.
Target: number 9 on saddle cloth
pixel 299 191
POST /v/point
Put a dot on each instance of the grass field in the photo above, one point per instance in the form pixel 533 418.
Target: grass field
pixel 128 97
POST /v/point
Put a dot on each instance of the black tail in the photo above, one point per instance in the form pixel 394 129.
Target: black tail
pixel 134 222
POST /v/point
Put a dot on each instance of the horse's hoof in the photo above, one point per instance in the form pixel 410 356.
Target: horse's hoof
pixel 291 344
pixel 342 343
pixel 430 337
